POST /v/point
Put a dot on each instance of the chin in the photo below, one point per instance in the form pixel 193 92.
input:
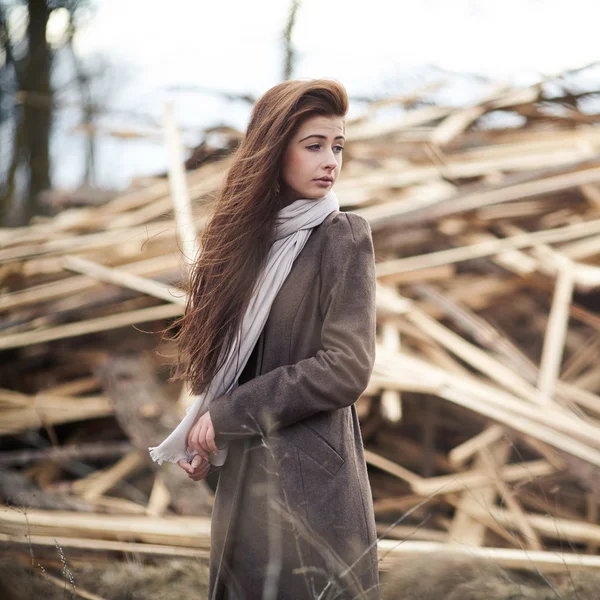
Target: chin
pixel 318 193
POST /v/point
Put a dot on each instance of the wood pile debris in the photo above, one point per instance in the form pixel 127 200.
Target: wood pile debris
pixel 481 422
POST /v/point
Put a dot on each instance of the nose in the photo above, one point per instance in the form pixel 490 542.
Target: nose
pixel 330 161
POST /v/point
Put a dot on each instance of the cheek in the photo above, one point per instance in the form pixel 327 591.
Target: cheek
pixel 297 165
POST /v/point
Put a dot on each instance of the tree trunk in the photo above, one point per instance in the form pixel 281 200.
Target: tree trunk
pixel 37 107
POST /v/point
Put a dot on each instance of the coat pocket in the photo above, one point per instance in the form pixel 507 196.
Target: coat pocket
pixel 314 445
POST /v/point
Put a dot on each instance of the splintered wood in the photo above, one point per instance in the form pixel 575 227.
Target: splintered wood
pixel 481 421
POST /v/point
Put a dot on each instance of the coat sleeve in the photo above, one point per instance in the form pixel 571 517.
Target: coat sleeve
pixel 340 371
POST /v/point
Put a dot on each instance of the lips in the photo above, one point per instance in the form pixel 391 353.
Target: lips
pixel 326 179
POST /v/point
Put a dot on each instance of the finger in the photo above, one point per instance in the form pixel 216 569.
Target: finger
pixel 190 438
pixel 196 446
pixel 197 461
pixel 192 446
pixel 203 466
pixel 202 440
pixel 192 443
pixel 210 439
pixel 185 465
pixel 202 435
pixel 200 474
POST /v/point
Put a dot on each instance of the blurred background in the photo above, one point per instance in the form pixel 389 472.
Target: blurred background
pixel 473 151
pixel 83 83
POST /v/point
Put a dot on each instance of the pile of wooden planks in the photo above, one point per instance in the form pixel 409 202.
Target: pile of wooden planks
pixel 481 422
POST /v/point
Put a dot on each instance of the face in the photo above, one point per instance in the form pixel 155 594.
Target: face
pixel 313 159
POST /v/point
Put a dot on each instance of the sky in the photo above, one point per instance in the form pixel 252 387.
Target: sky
pixel 169 52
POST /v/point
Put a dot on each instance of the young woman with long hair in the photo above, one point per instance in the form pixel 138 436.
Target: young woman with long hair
pixel 278 342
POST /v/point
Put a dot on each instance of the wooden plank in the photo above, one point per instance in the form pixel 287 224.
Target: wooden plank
pixel 184 219
pixel 464 529
pixel 142 315
pixel 549 527
pixel 520 191
pixel 391 400
pixel 484 249
pixel 52 410
pixel 510 558
pixel 186 226
pixel 171 530
pixel 133 282
pixel 411 374
pixel 391 467
pixel 102 239
pixel 51 291
pixel 389 551
pixel 476 357
pixel 529 535
pixel 481 331
pixel 476 478
pixel 85 451
pixel 103 546
pixel 462 453
pixel 93 487
pixel 160 498
pixel 556 331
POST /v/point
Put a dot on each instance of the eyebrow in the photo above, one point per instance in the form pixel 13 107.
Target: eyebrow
pixel 323 137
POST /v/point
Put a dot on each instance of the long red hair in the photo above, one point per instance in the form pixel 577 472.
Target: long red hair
pixel 236 240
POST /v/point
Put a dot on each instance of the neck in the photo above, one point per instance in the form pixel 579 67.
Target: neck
pixel 287 196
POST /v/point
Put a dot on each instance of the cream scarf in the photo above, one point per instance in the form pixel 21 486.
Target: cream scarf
pixel 293 227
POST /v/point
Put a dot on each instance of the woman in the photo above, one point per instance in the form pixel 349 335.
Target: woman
pixel 293 513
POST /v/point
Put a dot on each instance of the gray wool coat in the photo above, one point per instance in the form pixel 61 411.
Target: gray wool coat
pixel 293 510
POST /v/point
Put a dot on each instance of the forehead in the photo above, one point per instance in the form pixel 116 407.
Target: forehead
pixel 322 125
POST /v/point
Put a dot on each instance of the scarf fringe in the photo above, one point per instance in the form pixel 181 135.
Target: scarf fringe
pixel 160 454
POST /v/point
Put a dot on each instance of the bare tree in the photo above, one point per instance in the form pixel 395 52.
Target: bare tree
pixel 290 53
pixel 27 104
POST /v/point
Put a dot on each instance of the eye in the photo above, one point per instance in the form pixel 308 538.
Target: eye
pixel 339 148
pixel 314 147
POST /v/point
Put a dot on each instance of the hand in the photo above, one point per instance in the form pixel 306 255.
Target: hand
pixel 201 437
pixel 198 469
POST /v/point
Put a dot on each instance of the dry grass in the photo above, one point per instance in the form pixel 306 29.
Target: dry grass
pixel 171 580
pixel 445 576
pixel 450 576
